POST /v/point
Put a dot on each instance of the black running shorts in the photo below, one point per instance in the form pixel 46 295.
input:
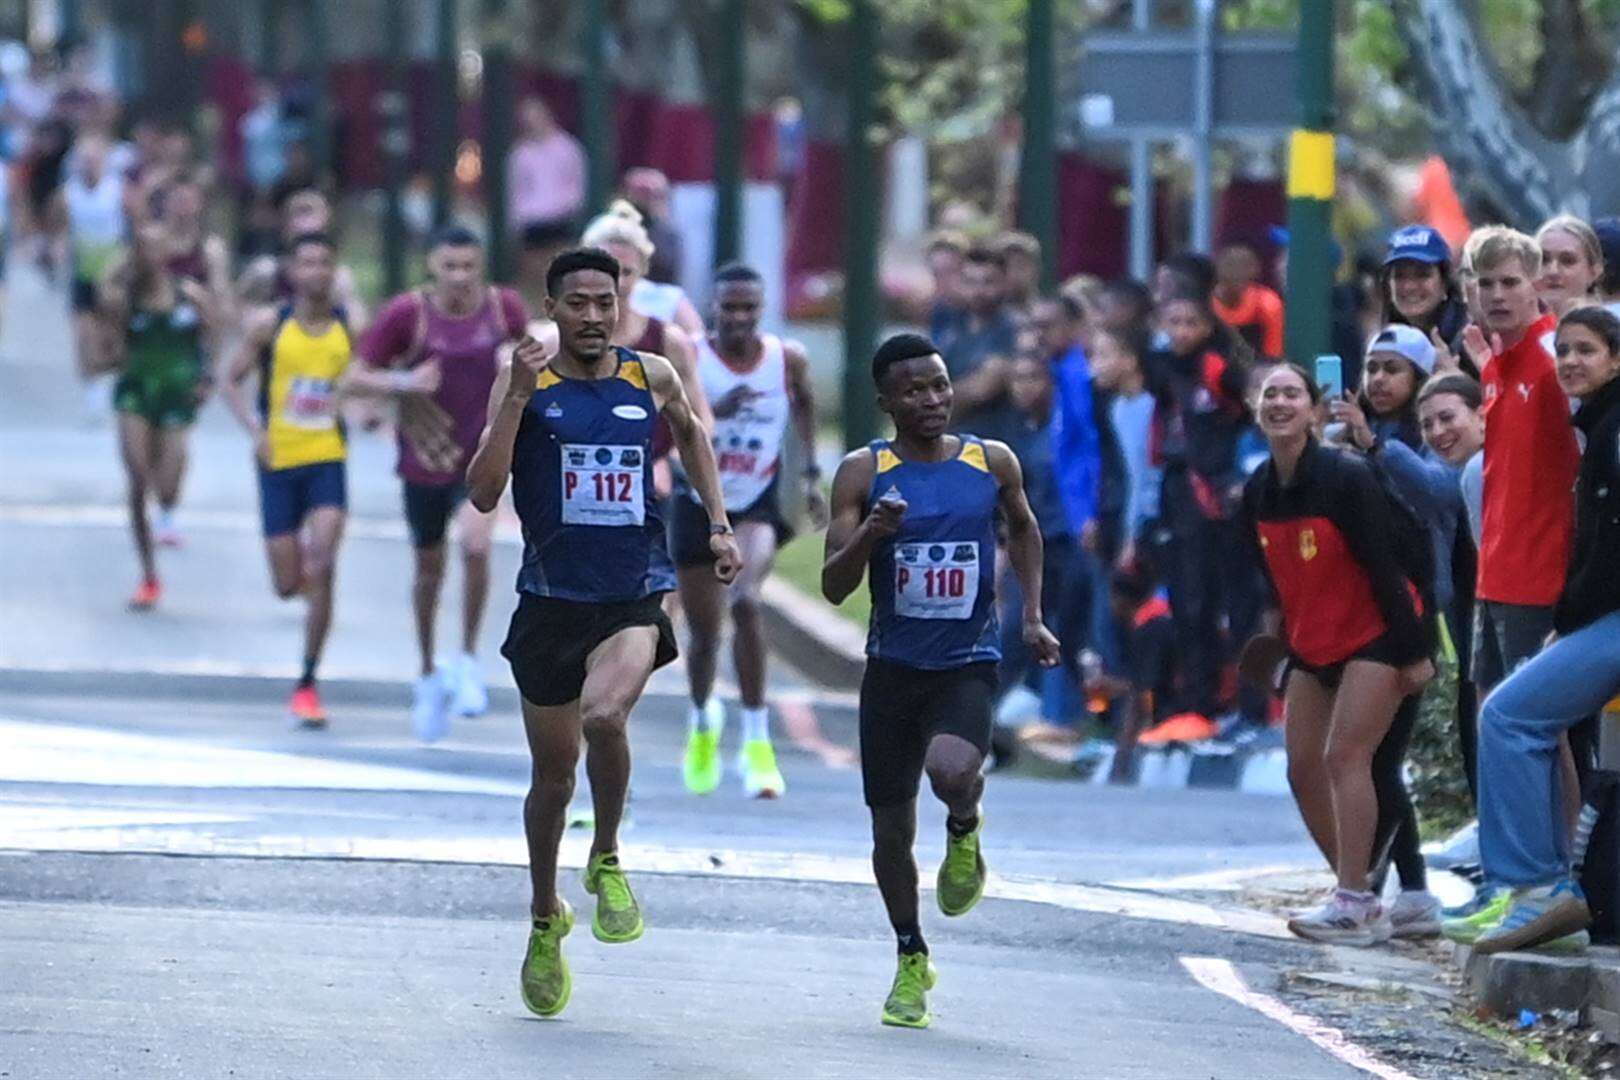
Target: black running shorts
pixel 689 525
pixel 550 639
pixel 429 508
pixel 903 708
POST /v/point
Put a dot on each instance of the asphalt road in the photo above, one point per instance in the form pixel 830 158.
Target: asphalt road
pixel 189 888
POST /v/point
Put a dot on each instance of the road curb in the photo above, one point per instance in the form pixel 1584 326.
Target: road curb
pixel 1509 984
pixel 812 637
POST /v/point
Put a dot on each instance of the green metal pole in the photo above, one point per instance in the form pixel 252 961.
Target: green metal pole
pixel 1310 189
pixel 728 133
pixel 598 122
pixel 446 112
pixel 500 84
pixel 395 144
pixel 269 38
pixel 862 193
pixel 321 69
pixel 1037 173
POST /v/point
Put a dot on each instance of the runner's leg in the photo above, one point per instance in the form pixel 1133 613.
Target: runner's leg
pixel 135 441
pixel 954 772
pixel 1363 710
pixel 172 457
pixel 553 733
pixel 894 835
pixel 616 672
pixel 703 598
pixel 476 533
pixel 756 540
pixel 323 531
pixel 425 599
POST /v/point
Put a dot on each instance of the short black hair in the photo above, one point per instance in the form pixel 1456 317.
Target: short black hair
pixel 454 236
pixel 1599 320
pixel 576 259
pixel 1195 270
pixel 897 350
pixel 323 239
pixel 1130 292
pixel 737 271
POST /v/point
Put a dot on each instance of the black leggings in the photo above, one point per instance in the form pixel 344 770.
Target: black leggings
pixel 1395 838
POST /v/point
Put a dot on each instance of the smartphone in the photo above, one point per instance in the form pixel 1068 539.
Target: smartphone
pixel 1330 377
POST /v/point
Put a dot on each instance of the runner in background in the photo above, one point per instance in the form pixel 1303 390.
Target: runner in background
pixel 267 281
pixel 758 385
pixel 163 379
pixel 300 353
pixel 435 351
pixel 92 200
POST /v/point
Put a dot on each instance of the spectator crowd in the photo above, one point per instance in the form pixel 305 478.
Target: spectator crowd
pixel 1427 519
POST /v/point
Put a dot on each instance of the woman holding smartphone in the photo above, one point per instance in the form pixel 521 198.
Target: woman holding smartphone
pixel 1359 649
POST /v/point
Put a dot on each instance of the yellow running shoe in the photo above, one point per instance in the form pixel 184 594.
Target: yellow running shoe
pixel 546 984
pixel 700 765
pixel 962 873
pixel 907 1004
pixel 618 917
pixel 761 778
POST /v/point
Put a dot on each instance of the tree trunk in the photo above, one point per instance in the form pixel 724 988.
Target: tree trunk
pixel 1493 145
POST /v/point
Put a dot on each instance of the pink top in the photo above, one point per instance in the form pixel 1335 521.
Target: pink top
pixel 545 180
pixel 411 330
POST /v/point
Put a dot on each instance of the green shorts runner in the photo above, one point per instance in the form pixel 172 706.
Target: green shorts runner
pixel 163 367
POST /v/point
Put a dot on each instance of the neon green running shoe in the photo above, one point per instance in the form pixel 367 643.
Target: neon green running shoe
pixel 962 873
pixel 700 765
pixel 761 778
pixel 545 981
pixel 907 1004
pixel 618 917
pixel 1469 928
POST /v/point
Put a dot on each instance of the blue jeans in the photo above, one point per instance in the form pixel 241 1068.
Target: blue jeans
pixel 1522 838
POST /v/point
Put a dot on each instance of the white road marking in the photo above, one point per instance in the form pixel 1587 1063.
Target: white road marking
pixel 63 754
pixel 1232 880
pixel 1220 976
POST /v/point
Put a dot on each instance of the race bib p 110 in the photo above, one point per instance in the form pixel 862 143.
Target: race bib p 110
pixel 602 485
pixel 936 580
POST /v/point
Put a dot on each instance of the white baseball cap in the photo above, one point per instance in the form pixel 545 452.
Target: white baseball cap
pixel 1405 341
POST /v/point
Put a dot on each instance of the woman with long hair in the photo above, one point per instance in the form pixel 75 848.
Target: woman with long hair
pixel 1571 263
pixel 1417 288
pixel 1359 649
pixel 159 321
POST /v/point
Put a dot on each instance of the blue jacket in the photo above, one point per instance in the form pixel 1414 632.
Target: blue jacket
pixel 1076 445
pixel 1432 487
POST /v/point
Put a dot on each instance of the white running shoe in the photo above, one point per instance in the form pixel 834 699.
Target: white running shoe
pixel 1415 914
pixel 165 532
pixel 1345 919
pixel 471 695
pixel 430 707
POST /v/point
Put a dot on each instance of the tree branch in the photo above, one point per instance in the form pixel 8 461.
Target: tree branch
pixel 1488 139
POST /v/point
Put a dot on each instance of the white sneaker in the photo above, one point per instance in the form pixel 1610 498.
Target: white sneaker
pixel 471 695
pixel 1345 919
pixel 165 532
pixel 1415 914
pixel 430 707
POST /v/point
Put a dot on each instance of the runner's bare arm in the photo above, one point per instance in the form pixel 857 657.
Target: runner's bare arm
pixel 802 400
pixel 852 533
pixel 241 362
pixel 697 454
pixel 691 436
pixel 491 463
pixel 679 351
pixel 1024 547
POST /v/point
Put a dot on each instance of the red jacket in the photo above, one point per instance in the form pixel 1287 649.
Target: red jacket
pixel 1531 457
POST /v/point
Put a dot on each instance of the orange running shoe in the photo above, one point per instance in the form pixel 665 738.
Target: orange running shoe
pixel 1182 727
pixel 146 595
pixel 306 707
